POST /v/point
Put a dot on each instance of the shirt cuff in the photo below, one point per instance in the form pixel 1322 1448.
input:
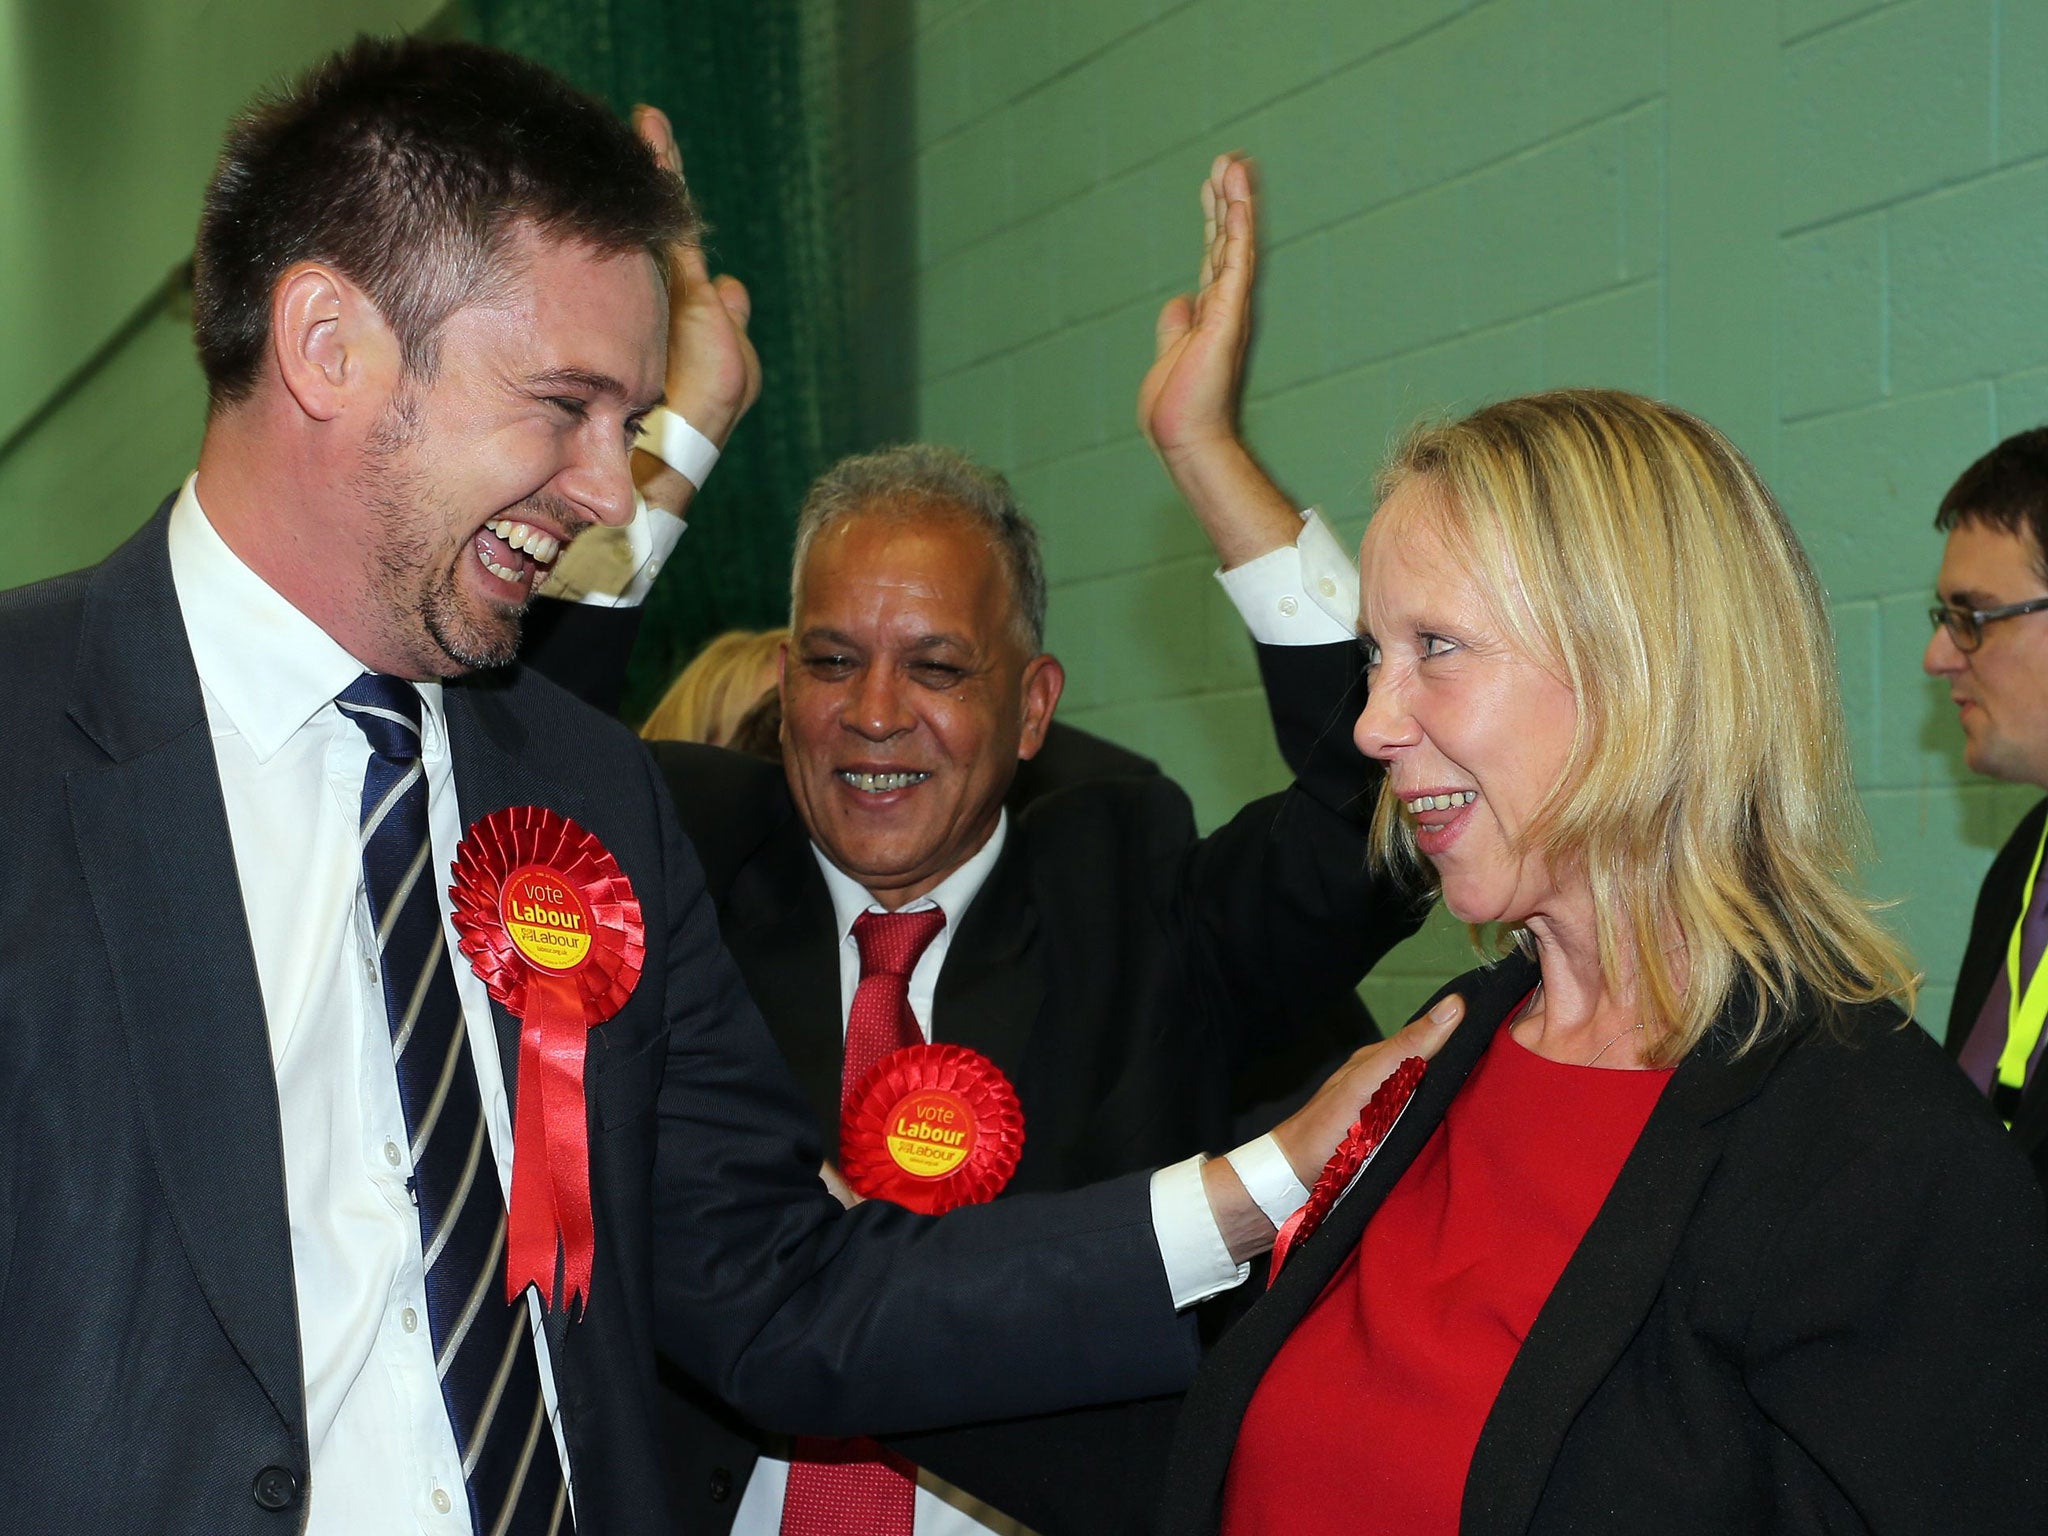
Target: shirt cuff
pixel 1304 593
pixel 1198 1265
pixel 609 567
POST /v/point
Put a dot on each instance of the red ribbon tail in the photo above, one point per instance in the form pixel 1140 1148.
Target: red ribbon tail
pixel 551 1148
pixel 530 1219
pixel 1290 1229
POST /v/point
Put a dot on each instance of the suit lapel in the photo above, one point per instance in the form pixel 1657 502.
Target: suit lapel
pixel 989 993
pixel 1610 1283
pixel 484 743
pixel 157 855
pixel 780 928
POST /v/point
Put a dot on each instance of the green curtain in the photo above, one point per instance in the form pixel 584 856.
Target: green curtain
pixel 751 86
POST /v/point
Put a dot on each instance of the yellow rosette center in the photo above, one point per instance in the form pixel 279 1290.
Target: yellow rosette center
pixel 545 919
pixel 930 1133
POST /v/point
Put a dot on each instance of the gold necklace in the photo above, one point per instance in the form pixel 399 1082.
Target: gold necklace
pixel 1603 1049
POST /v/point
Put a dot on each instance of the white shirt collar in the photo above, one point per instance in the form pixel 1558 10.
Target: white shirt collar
pixel 953 895
pixel 267 667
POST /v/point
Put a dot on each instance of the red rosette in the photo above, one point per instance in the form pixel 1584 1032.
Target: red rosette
pixel 549 922
pixel 1349 1160
pixel 931 1127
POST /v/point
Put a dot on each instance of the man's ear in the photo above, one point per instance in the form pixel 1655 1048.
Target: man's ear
pixel 331 343
pixel 1044 681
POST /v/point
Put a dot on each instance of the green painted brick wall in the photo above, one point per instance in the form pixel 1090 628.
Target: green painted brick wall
pixel 1820 223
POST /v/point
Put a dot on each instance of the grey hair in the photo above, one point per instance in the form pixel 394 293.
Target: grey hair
pixel 923 477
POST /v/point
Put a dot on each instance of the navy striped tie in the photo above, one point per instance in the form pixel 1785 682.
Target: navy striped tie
pixel 483 1348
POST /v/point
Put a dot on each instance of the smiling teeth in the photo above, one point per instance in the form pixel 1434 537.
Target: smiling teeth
pixel 882 783
pixel 1423 803
pixel 543 547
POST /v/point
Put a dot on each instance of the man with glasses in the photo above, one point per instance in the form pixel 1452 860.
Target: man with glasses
pixel 1990 645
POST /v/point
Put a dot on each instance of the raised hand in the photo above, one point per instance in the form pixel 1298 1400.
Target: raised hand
pixel 1188 403
pixel 1190 396
pixel 714 374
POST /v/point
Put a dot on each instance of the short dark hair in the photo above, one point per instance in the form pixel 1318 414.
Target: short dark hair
pixel 409 164
pixel 2006 489
pixel 920 478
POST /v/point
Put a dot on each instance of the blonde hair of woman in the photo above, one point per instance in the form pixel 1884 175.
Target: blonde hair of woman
pixel 1708 798
pixel 714 692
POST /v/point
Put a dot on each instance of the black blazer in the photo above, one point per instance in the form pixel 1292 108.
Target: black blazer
pixel 1126 974
pixel 1998 908
pixel 151 1362
pixel 1816 1300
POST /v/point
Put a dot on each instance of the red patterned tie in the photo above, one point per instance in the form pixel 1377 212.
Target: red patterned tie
pixel 880 1020
pixel 856 1487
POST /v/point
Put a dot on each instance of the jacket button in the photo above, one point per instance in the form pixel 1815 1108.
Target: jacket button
pixel 276 1488
pixel 721 1485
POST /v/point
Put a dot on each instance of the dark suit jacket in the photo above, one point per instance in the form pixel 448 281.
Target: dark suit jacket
pixel 1120 970
pixel 1815 1301
pixel 151 1359
pixel 1998 908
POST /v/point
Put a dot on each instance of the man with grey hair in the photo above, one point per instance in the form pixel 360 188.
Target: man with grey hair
pixel 1123 972
pixel 927 475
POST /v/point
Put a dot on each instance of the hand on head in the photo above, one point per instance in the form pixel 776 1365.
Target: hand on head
pixel 714 373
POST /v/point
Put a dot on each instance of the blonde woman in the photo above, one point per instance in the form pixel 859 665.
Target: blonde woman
pixel 716 691
pixel 1687 1229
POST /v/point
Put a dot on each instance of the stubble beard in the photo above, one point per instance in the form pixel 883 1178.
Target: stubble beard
pixel 415 584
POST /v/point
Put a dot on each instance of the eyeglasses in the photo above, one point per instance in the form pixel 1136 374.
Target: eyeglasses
pixel 1965 626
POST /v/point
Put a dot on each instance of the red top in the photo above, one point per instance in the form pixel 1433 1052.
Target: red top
pixel 1366 1420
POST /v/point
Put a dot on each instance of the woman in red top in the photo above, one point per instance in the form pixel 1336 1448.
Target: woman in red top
pixel 1685 1230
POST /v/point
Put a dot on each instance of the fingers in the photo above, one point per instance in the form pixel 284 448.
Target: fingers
pixel 1426 1035
pixel 835 1181
pixel 1229 245
pixel 732 293
pixel 655 131
pixel 1210 210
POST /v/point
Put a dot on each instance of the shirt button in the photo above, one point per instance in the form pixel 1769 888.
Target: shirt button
pixel 1327 587
pixel 391 1153
pixel 442 1503
pixel 1289 607
pixel 409 1320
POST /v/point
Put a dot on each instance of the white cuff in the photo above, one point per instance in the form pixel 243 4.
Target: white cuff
pixel 1269 1179
pixel 1304 593
pixel 615 567
pixel 1198 1264
pixel 678 445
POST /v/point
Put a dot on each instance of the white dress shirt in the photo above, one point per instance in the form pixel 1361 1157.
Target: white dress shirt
pixel 384 1455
